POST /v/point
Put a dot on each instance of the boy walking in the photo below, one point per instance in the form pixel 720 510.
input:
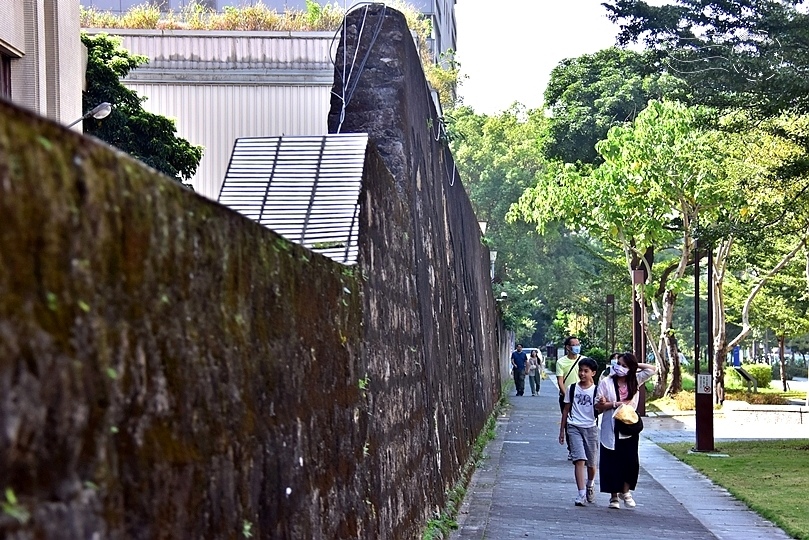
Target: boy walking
pixel 579 423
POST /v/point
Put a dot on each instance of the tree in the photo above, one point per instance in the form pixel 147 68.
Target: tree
pixel 750 54
pixel 658 174
pixel 590 94
pixel 148 137
pixel 498 158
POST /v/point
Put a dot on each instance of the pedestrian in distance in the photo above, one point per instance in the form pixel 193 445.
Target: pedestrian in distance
pixel 567 372
pixel 536 366
pixel 579 427
pixel 619 463
pixel 519 361
pixel 611 361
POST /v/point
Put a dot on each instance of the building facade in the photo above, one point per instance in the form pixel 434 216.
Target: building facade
pixel 42 59
pixel 440 12
pixel 219 86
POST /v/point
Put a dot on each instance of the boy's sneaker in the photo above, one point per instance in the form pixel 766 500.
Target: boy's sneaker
pixel 580 501
pixel 628 500
pixel 614 503
pixel 591 494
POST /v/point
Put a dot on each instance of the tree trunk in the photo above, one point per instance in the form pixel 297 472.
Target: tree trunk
pixel 782 361
pixel 670 356
pixel 662 374
pixel 718 325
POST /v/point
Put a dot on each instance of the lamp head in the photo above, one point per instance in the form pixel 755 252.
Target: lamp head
pixel 102 110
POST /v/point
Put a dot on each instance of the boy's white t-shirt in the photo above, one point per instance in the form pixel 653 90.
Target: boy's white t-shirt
pixel 582 410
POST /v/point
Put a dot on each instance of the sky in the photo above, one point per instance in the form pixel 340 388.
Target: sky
pixel 507 48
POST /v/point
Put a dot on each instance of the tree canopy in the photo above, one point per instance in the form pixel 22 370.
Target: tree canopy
pixel 590 94
pixel 750 54
pixel 148 137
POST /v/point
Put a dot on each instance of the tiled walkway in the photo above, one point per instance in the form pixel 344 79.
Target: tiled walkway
pixel 525 488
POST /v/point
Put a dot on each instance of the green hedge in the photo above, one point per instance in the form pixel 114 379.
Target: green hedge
pixel 762 373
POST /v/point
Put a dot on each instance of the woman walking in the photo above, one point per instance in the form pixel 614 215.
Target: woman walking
pixel 536 365
pixel 619 464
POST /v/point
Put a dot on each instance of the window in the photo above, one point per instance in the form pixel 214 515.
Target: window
pixel 5 76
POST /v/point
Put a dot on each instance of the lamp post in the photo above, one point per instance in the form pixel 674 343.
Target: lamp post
pixel 609 324
pixel 102 110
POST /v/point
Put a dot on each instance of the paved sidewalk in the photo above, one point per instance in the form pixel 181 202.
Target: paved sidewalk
pixel 525 489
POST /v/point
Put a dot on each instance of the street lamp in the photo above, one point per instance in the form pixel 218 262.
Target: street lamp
pixel 102 110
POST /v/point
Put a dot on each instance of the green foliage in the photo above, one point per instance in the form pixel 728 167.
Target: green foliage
pixel 444 77
pixel 762 373
pixel 755 398
pixel 198 16
pixel 746 54
pixel 599 355
pixel 590 94
pixel 148 137
pixel 247 529
pixel 791 370
pixel 12 508
pixel 499 157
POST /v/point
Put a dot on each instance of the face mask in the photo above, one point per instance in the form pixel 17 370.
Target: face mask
pixel 621 371
pixel 576 349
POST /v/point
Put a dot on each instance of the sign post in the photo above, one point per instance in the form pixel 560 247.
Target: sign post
pixel 704 391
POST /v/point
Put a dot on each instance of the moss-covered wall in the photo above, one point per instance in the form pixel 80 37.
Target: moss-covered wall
pixel 168 369
pixel 430 322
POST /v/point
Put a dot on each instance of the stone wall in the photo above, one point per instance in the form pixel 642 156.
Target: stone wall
pixel 430 305
pixel 169 369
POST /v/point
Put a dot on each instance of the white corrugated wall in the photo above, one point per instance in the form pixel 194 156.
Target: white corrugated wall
pixel 214 116
pixel 222 85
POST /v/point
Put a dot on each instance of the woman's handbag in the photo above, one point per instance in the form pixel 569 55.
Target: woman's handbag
pixel 627 421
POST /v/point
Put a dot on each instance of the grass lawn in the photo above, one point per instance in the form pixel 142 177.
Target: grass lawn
pixel 771 477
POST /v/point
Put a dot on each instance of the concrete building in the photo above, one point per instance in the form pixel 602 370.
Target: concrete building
pixel 42 58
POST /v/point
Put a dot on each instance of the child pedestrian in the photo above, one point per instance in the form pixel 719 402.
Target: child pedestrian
pixel 579 422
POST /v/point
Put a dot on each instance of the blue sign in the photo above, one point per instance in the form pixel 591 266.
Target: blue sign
pixel 737 361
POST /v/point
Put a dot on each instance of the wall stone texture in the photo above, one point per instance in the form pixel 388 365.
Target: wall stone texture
pixel 170 369
pixel 429 303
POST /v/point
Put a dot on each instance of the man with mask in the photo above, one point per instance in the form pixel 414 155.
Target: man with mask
pixel 567 372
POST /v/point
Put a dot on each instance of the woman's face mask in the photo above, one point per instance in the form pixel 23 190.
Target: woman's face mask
pixel 620 370
pixel 576 349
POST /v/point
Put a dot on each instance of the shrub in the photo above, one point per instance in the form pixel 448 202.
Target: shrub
pixel 791 370
pixel 755 398
pixel 762 373
pixel 684 401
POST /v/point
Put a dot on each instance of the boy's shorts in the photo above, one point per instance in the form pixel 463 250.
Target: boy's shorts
pixel 583 444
